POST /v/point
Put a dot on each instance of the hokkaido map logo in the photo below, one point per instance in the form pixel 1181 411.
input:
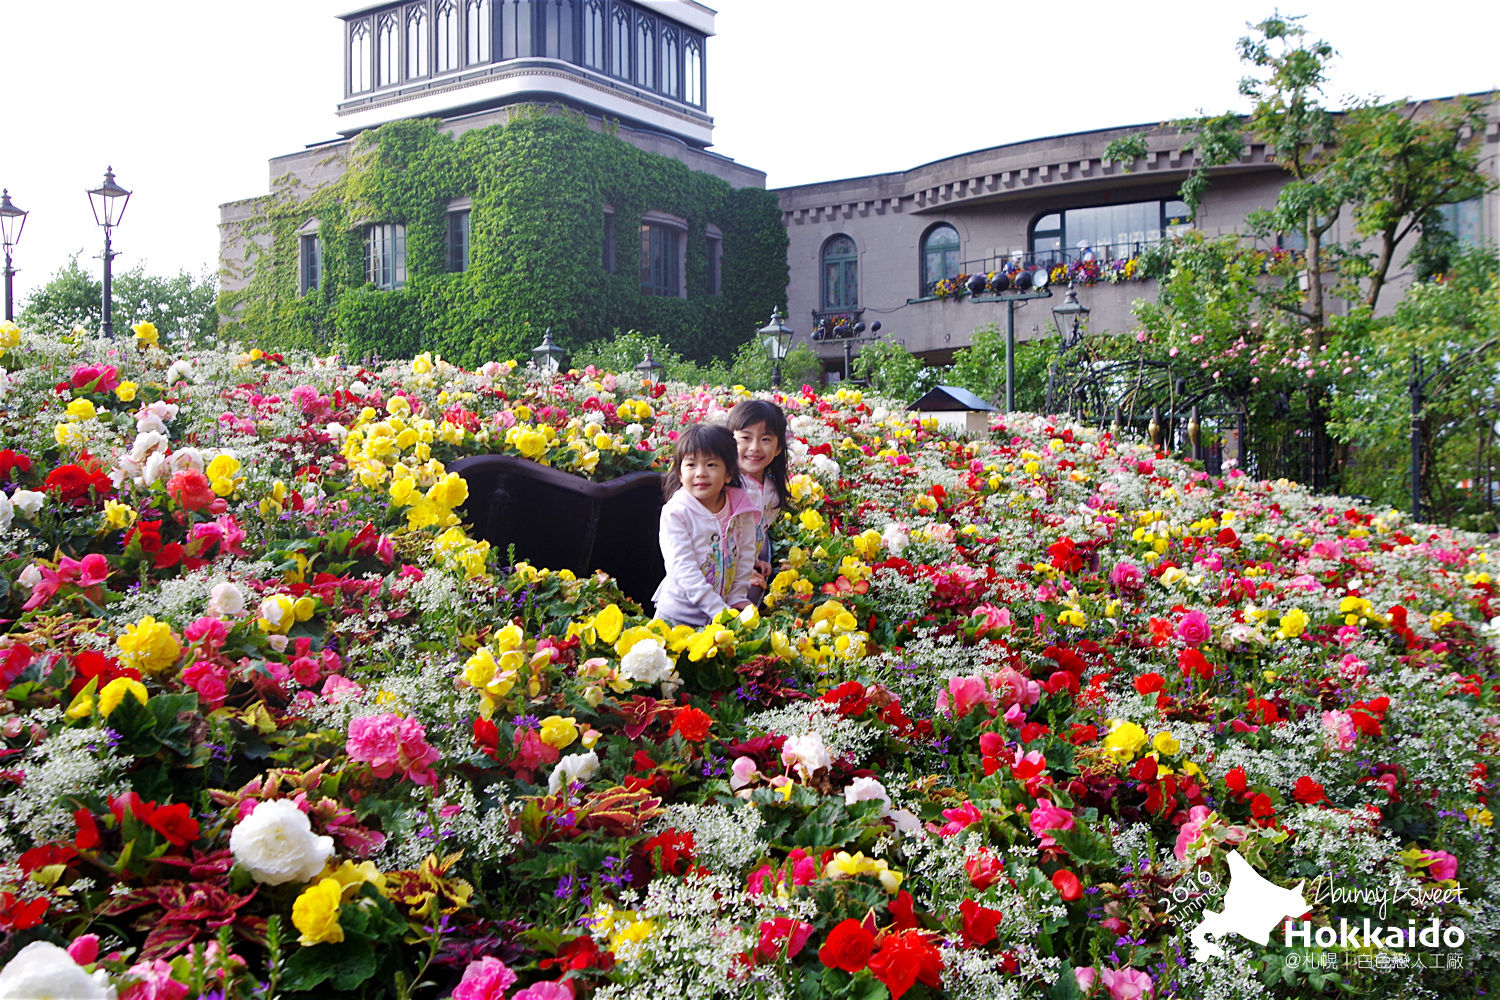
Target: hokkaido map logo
pixel 1253 907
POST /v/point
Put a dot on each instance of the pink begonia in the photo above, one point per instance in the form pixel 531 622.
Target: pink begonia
pixel 959 819
pixel 153 981
pixel 994 617
pixel 1085 976
pixel 1011 687
pixel 963 695
pixel 88 572
pixel 1126 575
pixel 1048 816
pixel 1126 984
pixel 546 991
pixel 1193 628
pixel 486 979
pixel 208 630
pixel 1189 831
pixel 84 949
pixel 1444 865
pixel 108 376
pixel 210 680
pixel 742 772
pixel 224 530
pixel 337 687
pixel 389 743
pixel 1338 729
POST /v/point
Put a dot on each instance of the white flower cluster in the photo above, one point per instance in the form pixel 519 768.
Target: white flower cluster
pixel 840 736
pixel 726 838
pixel 68 765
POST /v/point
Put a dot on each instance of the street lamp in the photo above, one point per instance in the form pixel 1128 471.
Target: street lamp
pixel 1067 315
pixel 108 201
pixel 547 356
pixel 1025 286
pixel 12 221
pixel 777 338
pixel 650 368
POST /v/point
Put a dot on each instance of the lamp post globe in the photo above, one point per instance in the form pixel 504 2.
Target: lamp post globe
pixel 650 368
pixel 1067 315
pixel 547 356
pixel 777 338
pixel 12 222
pixel 108 201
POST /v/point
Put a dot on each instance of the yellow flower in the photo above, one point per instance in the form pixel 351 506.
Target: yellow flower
pixel 398 406
pixel 125 391
pixel 82 409
pixel 450 491
pixel 1125 740
pixel 351 874
pixel 149 646
pixel 276 614
pixel 1165 743
pixel 559 731
pixel 1074 617
pixel 118 515
pixel 146 333
pixel 10 335
pixel 316 913
pixel 812 520
pixel 115 691
pixel 607 624
pixel 1293 623
pixel 867 544
pixel 1440 618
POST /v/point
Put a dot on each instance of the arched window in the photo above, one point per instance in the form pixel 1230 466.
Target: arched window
pixel 669 62
pixel 477 33
pixel 692 72
pixel 417 42
pixel 593 34
pixel 446 15
pixel 939 255
pixel 359 57
pixel 558 23
pixel 645 53
pixel 840 274
pixel 388 51
pixel 619 44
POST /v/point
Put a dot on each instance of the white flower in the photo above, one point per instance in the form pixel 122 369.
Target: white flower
pixel 825 468
pixel 646 663
pixel 185 459
pixel 359 388
pixel 577 767
pixel 28 502
pixel 895 538
pixel 43 971
pixel 181 369
pixel 226 600
pixel 148 443
pixel 154 417
pixel 866 790
pixel 806 753
pixel 30 576
pixel 337 431
pixel 275 843
pixel 155 468
pixel 7 511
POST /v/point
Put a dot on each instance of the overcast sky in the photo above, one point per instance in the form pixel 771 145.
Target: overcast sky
pixel 188 99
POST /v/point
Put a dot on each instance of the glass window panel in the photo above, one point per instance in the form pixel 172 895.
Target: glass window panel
pixel 478 31
pixel 619 44
pixel 447 35
pixel 417 41
pixel 359 57
pixel 593 34
pixel 669 61
pixel 645 53
pixel 692 73
pixel 388 51
pixel 311 252
pixel 660 260
pixel 386 245
pixel 458 240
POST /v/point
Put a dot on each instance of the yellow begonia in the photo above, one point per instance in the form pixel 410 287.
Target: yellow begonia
pixel 315 913
pixel 1073 617
pixel 1165 743
pixel 1440 618
pixel 812 520
pixel 354 875
pixel 82 409
pixel 1125 740
pixel 115 691
pixel 146 333
pixel 867 544
pixel 125 391
pixel 118 515
pixel 278 613
pixel 846 865
pixel 398 406
pixel 10 335
pixel 1293 623
pixel 149 646
pixel 559 731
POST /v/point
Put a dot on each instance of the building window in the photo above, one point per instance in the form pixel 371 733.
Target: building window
pixel 619 43
pixel 645 53
pixel 558 22
pixel 446 15
pixel 593 34
pixel 609 241
pixel 692 73
pixel 417 42
pixel 939 255
pixel 386 245
pixel 841 274
pixel 1109 232
pixel 661 258
pixel 458 240
pixel 1464 221
pixel 310 263
pixel 477 32
pixel 359 57
pixel 670 59
pixel 715 261
pixel 388 51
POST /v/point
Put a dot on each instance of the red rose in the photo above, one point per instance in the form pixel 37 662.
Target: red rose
pixel 905 959
pixel 848 947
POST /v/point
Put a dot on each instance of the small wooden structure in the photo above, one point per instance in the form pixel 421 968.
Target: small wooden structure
pixel 956 407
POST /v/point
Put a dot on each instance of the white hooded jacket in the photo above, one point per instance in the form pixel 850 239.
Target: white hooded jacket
pixel 705 573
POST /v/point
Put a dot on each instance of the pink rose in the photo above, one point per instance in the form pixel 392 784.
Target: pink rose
pixel 959 819
pixel 108 376
pixel 1193 628
pixel 546 991
pixel 994 618
pixel 486 979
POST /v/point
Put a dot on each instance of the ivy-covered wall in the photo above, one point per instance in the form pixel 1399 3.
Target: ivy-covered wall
pixel 539 186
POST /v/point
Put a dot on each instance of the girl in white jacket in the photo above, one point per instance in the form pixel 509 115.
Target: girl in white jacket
pixel 707 530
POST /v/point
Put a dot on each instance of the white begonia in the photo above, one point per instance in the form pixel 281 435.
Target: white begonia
pixel 895 538
pixel 825 468
pixel 154 469
pixel 30 576
pixel 148 443
pixel 28 502
pixel 575 767
pixel 154 416
pixel 7 511
pixel 867 790
pixel 181 369
pixel 806 753
pixel 186 458
pixel 275 843
pixel 226 600
pixel 337 431
pixel 43 971
pixel 646 663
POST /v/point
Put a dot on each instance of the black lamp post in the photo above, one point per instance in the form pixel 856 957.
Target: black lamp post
pixel 650 368
pixel 547 356
pixel 12 221
pixel 108 201
pixel 777 338
pixel 1068 314
pixel 1025 286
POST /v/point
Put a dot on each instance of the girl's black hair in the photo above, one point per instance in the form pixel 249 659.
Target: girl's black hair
pixel 703 439
pixel 748 413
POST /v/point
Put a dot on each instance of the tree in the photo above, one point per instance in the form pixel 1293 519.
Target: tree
pixel 980 368
pixel 180 307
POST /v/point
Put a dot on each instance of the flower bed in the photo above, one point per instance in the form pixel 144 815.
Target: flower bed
pixel 1017 715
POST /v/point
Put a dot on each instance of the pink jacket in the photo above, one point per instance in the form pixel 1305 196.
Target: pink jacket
pixel 705 573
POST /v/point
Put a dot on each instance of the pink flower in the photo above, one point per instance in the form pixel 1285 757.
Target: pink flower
pixel 1126 575
pixel 959 819
pixel 108 376
pixel 486 979
pixel 191 489
pixel 963 695
pixel 1126 984
pixel 994 618
pixel 389 743
pixel 1049 816
pixel 545 991
pixel 1085 976
pixel 208 630
pixel 1193 628
pixel 782 935
pixel 1189 831
pixel 1012 688
pixel 84 949
pixel 92 570
pixel 153 981
pixel 1444 865
pixel 1338 729
pixel 210 680
pixel 743 771
pixel 336 688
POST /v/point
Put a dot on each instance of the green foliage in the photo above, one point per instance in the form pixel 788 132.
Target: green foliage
pixel 891 369
pixel 179 307
pixel 538 187
pixel 980 368
pixel 622 352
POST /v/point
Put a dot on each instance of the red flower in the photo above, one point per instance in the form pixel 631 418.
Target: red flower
pixel 848 947
pixel 906 959
pixel 17 914
pixel 1235 780
pixel 88 830
pixel 903 911
pixel 175 823
pixel 487 738
pixel 191 489
pixel 1190 662
pixel 580 953
pixel 44 856
pixel 979 923
pixel 1149 683
pixel 1308 791
pixel 1067 885
pixel 692 723
pixel 782 935
pixel 676 851
pixel 11 461
pixel 1261 806
pixel 984 869
pixel 72 483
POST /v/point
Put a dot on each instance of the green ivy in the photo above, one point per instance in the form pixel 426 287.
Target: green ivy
pixel 538 186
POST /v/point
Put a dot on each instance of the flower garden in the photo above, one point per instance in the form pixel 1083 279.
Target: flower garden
pixel 1013 712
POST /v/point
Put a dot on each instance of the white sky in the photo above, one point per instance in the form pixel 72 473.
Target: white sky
pixel 188 99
